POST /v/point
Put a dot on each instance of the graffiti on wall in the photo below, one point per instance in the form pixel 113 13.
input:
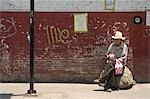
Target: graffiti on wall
pixel 56 35
pixel 7 30
pixel 100 32
pixel 57 46
pixel 7 27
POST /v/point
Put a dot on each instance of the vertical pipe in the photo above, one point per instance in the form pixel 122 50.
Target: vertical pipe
pixel 31 90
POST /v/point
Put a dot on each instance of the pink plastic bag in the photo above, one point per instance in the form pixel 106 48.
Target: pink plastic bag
pixel 118 67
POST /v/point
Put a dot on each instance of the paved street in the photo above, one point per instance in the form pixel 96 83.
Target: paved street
pixel 71 91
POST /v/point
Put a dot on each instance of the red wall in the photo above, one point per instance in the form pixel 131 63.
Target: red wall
pixel 61 55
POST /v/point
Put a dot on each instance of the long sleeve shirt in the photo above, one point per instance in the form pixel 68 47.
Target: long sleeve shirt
pixel 120 52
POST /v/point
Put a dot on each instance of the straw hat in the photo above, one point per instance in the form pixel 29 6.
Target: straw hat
pixel 118 35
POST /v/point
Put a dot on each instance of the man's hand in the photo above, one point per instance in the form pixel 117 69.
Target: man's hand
pixel 111 57
pixel 120 59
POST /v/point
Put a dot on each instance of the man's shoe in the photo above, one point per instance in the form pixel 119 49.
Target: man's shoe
pixel 96 81
pixel 109 90
pixel 102 84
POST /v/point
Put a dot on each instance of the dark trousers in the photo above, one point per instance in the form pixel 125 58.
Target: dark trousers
pixel 108 76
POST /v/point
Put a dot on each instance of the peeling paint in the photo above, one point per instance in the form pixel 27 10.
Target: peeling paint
pixel 57 47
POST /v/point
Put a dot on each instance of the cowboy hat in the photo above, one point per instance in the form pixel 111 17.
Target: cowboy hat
pixel 118 35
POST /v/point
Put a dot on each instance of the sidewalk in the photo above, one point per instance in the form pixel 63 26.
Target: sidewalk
pixel 71 91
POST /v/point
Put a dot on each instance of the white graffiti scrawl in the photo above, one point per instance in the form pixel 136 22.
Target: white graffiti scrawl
pixel 7 27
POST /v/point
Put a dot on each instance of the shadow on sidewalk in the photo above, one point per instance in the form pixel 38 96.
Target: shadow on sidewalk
pixel 5 95
pixel 9 95
pixel 25 95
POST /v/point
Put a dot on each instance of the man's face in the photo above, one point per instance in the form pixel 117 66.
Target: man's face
pixel 117 42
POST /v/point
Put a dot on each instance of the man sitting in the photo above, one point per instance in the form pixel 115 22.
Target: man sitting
pixel 115 74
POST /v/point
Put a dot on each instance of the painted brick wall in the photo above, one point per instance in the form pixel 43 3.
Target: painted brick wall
pixel 61 55
pixel 74 5
pixel 69 57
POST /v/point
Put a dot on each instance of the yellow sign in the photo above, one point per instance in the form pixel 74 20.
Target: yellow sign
pixel 81 22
